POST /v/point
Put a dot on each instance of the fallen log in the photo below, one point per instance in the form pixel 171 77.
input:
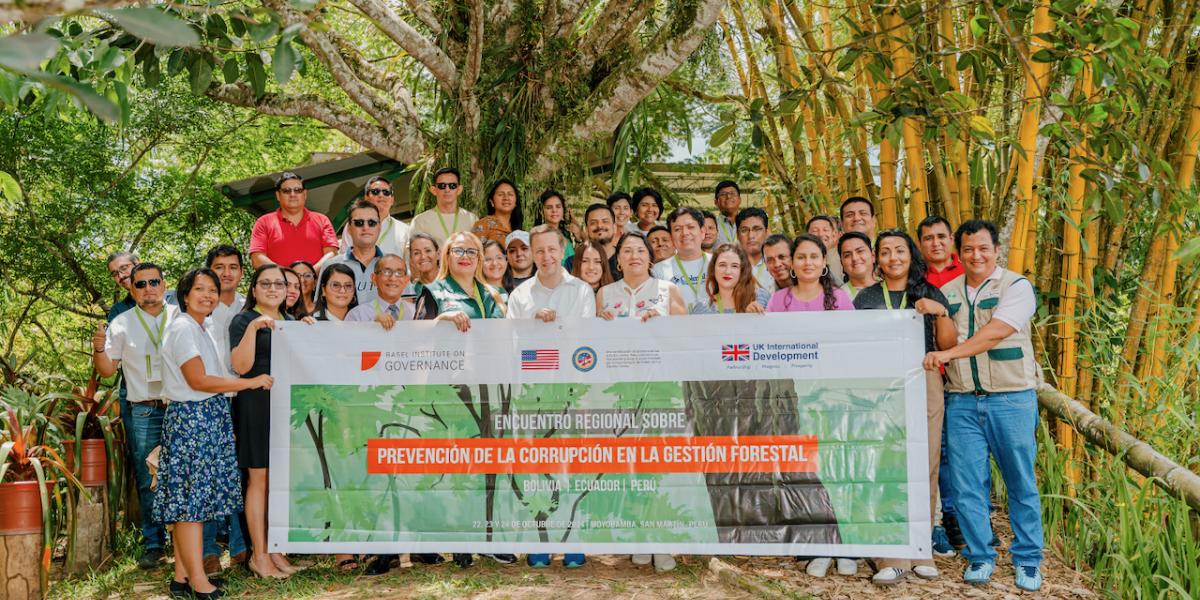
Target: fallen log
pixel 1176 479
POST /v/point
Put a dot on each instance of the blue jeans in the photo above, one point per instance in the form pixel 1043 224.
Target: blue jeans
pixel 231 524
pixel 1004 426
pixel 144 428
pixel 945 489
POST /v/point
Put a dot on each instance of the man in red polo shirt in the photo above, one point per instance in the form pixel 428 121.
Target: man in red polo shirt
pixel 937 247
pixel 293 232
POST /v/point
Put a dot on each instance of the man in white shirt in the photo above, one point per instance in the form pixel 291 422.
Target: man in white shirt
pixel 752 230
pixel 132 344
pixel 226 262
pixel 393 233
pixel 728 200
pixel 446 217
pixel 363 227
pixel 553 292
pixel 688 269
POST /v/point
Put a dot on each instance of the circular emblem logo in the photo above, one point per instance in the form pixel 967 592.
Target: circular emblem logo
pixel 584 359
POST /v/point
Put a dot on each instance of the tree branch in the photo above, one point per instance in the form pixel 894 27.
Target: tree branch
pixel 411 40
pixel 424 13
pixel 315 107
pixel 610 20
pixel 34 293
pixel 620 92
pixel 473 63
pixel 568 12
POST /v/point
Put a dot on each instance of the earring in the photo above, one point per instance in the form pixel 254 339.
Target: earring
pixel 825 273
pixel 793 273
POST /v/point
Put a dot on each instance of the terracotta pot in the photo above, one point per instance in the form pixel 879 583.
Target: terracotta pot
pixel 22 504
pixel 95 462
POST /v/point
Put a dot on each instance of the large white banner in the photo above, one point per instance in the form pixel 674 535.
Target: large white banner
pixel 778 434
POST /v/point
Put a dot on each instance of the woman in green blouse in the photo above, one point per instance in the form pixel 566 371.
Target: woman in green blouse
pixel 461 291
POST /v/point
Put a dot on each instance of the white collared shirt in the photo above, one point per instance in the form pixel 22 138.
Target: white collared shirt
pixel 1017 305
pixel 221 316
pixel 393 238
pixel 571 298
pixel 141 360
pixel 186 339
pixel 690 280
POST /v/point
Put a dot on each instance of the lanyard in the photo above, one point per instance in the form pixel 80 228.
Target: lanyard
pixel 162 322
pixel 390 222
pixel 720 305
pixel 887 297
pixel 854 291
pixel 443 222
pixel 726 228
pixel 477 297
pixel 758 273
pixel 380 314
pixel 687 278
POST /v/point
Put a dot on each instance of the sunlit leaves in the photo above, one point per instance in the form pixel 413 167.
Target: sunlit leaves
pixel 154 26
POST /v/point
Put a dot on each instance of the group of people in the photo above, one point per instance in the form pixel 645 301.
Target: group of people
pixel 196 366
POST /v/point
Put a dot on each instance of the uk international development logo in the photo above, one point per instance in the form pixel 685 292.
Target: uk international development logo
pixel 542 359
pixel 584 359
pixel 735 352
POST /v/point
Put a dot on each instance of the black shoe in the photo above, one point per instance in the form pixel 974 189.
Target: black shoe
pixel 213 595
pixel 427 559
pixel 504 559
pixel 382 564
pixel 463 560
pixel 180 590
pixel 953 531
pixel 149 558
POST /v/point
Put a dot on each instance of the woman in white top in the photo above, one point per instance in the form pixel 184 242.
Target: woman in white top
pixel 198 478
pixel 638 294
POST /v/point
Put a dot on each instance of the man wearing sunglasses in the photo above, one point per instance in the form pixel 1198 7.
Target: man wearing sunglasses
pixel 292 232
pixel 132 344
pixel 446 218
pixel 363 227
pixel 393 233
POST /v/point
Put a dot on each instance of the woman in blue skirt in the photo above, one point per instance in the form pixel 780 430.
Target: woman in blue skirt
pixel 198 478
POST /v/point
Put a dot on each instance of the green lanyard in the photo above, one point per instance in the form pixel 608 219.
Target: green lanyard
pixel 477 298
pixel 720 306
pixel 726 227
pixel 155 336
pixel 854 291
pixel 887 297
pixel 378 313
pixel 390 221
pixel 443 222
pixel 758 273
pixel 687 278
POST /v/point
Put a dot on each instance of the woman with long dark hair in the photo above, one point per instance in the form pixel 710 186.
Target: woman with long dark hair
pixel 552 210
pixel 503 212
pixel 591 265
pixel 812 285
pixel 904 286
pixel 858 263
pixel 308 287
pixel 335 294
pixel 495 266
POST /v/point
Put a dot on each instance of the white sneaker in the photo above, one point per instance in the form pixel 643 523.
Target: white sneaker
pixel 664 563
pixel 818 567
pixel 641 559
pixel 847 567
pixel 927 571
pixel 889 576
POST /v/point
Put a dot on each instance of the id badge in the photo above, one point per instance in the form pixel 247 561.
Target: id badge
pixel 153 368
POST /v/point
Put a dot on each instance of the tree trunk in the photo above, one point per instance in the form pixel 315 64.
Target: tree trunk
pixel 20 565
pixel 90 531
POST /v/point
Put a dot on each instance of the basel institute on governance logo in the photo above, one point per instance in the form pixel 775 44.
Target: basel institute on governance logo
pixel 584 359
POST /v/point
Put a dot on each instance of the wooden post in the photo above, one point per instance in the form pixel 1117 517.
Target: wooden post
pixel 90 533
pixel 20 566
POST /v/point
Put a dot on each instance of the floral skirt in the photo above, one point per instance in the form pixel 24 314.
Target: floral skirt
pixel 198 476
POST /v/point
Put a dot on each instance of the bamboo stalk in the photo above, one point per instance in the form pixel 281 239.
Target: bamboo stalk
pixel 1177 480
pixel 912 129
pixel 1036 79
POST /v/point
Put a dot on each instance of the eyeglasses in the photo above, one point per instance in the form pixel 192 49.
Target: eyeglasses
pixel 385 273
pixel 379 192
pixel 278 284
pixel 141 285
pixel 121 270
pixel 464 252
pixel 309 276
pixel 756 229
pixel 447 186
pixel 727 195
pixel 291 190
pixel 364 222
pixel 342 287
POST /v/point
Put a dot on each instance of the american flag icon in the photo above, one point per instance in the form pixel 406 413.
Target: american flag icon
pixel 735 352
pixel 539 360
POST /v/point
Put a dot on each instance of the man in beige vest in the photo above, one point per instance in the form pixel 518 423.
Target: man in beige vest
pixel 991 404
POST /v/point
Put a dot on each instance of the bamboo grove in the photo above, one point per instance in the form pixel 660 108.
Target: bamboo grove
pixel 1072 123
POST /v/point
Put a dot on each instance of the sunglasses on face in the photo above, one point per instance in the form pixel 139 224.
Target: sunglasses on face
pixel 291 190
pixel 364 222
pixel 447 186
pixel 380 192
pixel 464 252
pixel 278 284
pixel 141 285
